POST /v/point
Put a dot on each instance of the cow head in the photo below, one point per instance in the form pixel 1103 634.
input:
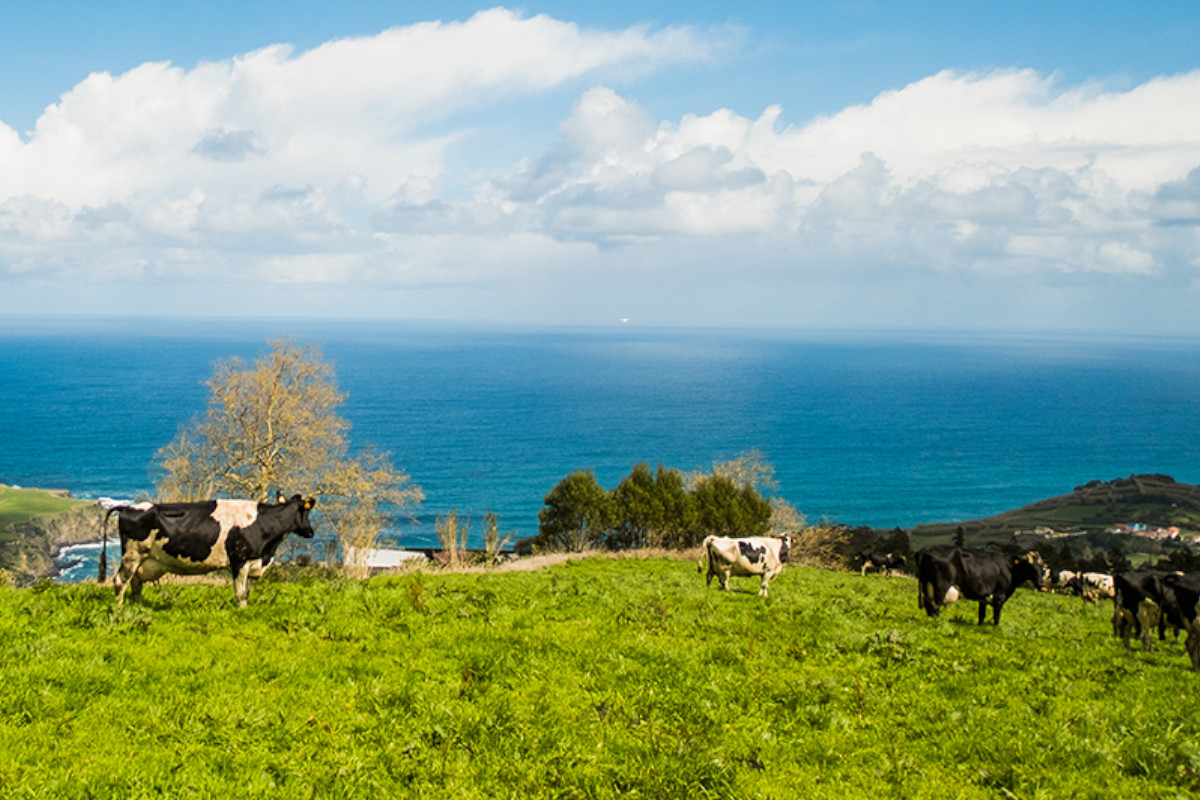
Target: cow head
pixel 1029 568
pixel 303 505
pixel 785 544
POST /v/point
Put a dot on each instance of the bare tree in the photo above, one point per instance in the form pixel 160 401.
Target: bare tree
pixel 785 518
pixel 274 426
pixel 452 537
pixel 493 541
pixel 818 545
pixel 751 468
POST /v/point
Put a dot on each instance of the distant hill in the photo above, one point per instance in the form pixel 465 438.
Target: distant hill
pixel 1157 501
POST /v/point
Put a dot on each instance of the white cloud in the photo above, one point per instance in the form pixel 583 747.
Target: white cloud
pixel 331 167
pixel 351 105
pixel 984 172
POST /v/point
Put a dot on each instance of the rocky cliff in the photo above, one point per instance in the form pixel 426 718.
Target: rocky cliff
pixel 27 548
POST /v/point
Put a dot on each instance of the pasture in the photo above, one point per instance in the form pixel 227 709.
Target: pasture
pixel 593 678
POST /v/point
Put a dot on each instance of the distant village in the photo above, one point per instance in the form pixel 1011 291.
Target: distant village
pixel 1135 529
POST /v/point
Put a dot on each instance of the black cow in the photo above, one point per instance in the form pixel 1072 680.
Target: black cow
pixel 194 538
pixel 945 573
pixel 1186 589
pixel 884 562
pixel 1144 600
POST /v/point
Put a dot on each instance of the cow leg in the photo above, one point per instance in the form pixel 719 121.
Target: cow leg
pixel 983 604
pixel 1124 622
pixel 762 587
pixel 127 578
pixel 930 598
pixel 1193 643
pixel 863 573
pixel 120 586
pixel 1148 619
pixel 1118 620
pixel 148 571
pixel 241 581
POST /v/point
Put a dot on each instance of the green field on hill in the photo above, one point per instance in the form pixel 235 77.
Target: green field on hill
pixel 1097 506
pixel 18 505
pixel 595 678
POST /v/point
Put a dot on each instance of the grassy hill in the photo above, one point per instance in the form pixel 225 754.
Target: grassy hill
pixel 592 679
pixel 1155 500
pixel 18 505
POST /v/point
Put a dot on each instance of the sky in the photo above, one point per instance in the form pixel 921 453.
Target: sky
pixel 822 165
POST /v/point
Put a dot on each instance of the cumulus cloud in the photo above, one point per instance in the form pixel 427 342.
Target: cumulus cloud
pixel 334 165
pixel 993 172
pixel 276 149
pixel 220 144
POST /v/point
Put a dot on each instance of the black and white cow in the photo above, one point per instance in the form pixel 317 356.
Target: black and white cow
pixel 946 573
pixel 882 562
pixel 1144 600
pixel 194 538
pixel 1093 586
pixel 1060 579
pixel 754 555
pixel 1186 589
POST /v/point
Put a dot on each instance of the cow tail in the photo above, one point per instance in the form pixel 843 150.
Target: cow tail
pixel 103 574
pixel 705 556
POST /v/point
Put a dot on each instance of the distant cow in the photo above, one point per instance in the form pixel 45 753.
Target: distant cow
pixel 754 555
pixel 1144 600
pixel 883 562
pixel 1186 589
pixel 945 573
pixel 1093 586
pixel 1061 579
pixel 194 538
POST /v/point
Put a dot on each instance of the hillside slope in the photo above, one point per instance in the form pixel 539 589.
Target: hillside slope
pixel 1157 501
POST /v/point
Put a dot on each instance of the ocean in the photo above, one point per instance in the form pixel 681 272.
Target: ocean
pixel 872 428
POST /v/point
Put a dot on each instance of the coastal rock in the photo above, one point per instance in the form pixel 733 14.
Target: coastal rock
pixel 27 549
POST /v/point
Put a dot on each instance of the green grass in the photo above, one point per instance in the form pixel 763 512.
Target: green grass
pixel 18 505
pixel 591 679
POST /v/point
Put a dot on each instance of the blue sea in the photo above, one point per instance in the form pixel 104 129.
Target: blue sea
pixel 879 429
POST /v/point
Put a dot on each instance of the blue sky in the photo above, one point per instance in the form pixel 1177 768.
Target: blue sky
pixel 841 164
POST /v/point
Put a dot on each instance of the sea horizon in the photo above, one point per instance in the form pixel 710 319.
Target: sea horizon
pixel 863 427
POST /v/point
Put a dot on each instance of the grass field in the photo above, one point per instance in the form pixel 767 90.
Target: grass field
pixel 590 679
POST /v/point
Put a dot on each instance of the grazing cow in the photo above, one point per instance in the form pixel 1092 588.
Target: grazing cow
pixel 1187 594
pixel 883 562
pixel 1093 586
pixel 1061 578
pixel 945 573
pixel 755 555
pixel 1144 600
pixel 194 538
